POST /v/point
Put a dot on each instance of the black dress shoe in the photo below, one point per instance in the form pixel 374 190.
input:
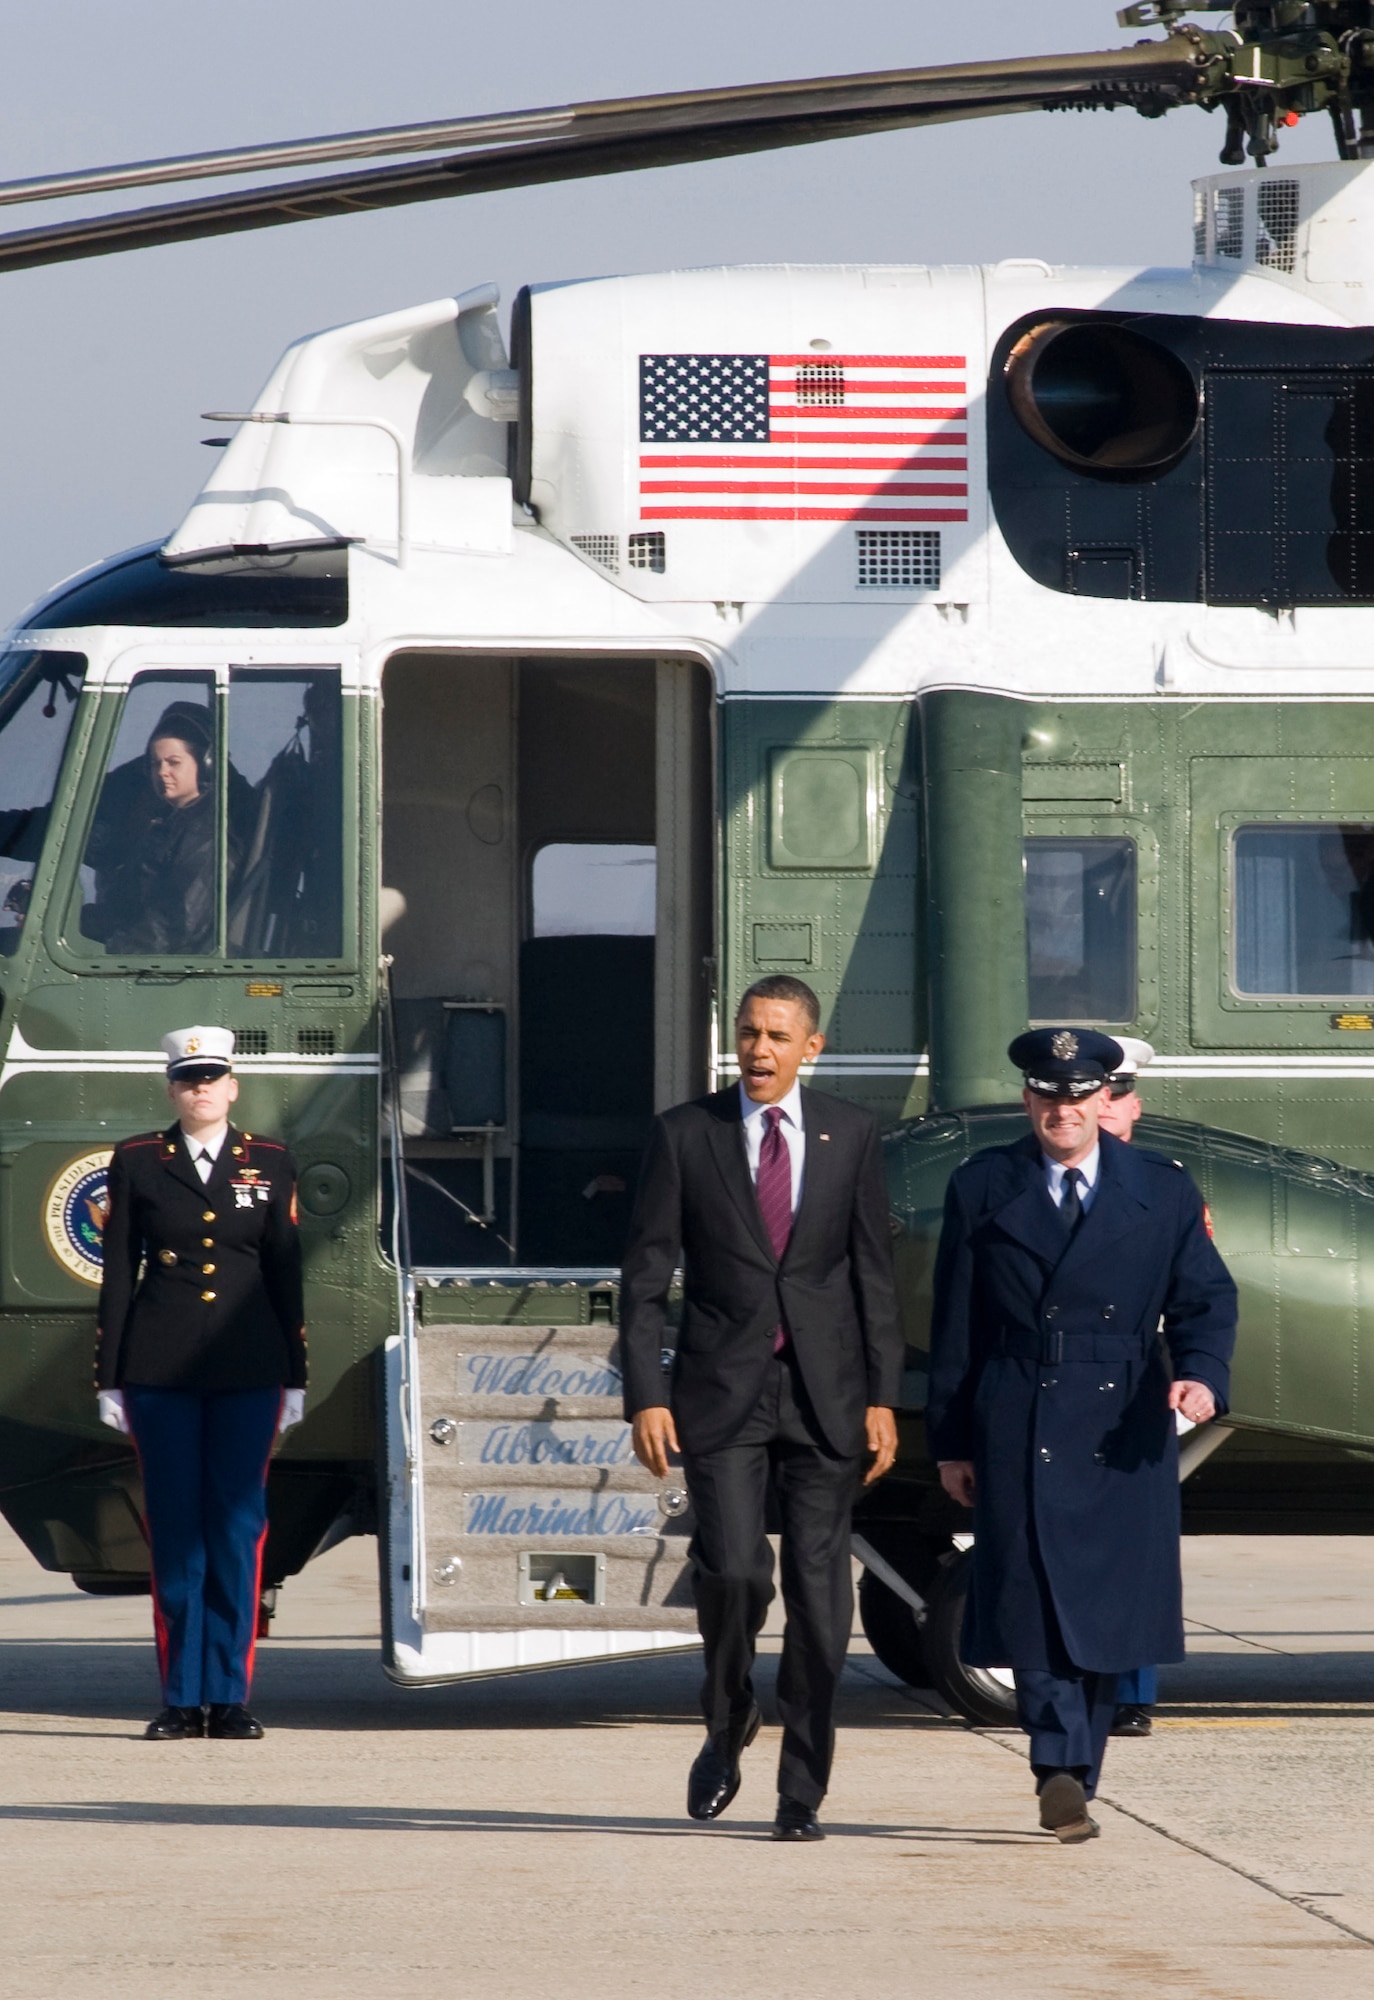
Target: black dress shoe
pixel 796 1821
pixel 1064 1809
pixel 231 1719
pixel 714 1777
pixel 1132 1719
pixel 174 1725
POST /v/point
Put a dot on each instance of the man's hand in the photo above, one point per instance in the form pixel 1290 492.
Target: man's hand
pixel 653 1435
pixel 956 1476
pixel 1195 1400
pixel 880 1431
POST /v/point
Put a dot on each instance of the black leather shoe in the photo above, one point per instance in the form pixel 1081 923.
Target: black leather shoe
pixel 796 1821
pixel 231 1719
pixel 714 1777
pixel 1064 1809
pixel 1132 1719
pixel 174 1725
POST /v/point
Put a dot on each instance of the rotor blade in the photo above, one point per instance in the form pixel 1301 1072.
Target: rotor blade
pixel 626 136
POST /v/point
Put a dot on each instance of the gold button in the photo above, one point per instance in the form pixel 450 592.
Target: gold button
pixel 208 1216
pixel 167 1256
pixel 207 1296
pixel 207 1242
pixel 208 1269
pixel 237 1152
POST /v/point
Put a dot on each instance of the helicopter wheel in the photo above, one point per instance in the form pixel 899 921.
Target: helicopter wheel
pixel 891 1630
pixel 984 1696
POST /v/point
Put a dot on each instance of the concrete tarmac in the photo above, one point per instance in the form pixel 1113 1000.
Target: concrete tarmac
pixel 525 1836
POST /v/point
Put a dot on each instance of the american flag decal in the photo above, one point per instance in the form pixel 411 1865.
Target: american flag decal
pixel 802 437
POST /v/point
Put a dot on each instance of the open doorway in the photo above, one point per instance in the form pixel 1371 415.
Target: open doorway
pixel 546 862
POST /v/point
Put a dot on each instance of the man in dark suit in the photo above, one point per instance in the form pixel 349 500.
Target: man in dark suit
pixel 787 1369
pixel 1052 1400
pixel 201 1359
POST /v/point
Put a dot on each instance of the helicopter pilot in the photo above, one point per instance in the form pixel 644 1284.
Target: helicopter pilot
pixel 201 1359
pixel 1051 1406
pixel 153 844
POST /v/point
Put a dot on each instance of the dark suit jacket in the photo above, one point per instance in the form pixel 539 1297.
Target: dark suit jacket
pixel 227 1313
pixel 833 1289
pixel 1047 1371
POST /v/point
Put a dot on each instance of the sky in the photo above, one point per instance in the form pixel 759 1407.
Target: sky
pixel 107 364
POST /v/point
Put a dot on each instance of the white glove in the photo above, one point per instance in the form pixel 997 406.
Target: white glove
pixel 110 1403
pixel 292 1409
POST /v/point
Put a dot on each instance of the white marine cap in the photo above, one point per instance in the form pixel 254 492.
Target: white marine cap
pixel 1135 1054
pixel 203 1051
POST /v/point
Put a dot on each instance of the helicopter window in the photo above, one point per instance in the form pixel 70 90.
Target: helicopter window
pixel 1081 929
pixel 1304 911
pixel 147 879
pixel 286 589
pixel 590 889
pixel 38 694
pixel 286 832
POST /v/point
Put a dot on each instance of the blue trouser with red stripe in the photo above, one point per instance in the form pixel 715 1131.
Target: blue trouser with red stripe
pixel 204 1461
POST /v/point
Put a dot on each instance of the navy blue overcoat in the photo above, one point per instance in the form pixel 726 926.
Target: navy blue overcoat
pixel 1048 1371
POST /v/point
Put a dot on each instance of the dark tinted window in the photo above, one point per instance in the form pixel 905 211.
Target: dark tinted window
pixel 1081 929
pixel 293 590
pixel 286 864
pixel 1304 910
pixel 147 882
pixel 38 695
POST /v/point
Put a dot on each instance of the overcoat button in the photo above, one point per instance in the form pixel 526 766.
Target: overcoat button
pixel 207 1296
pixel 1109 1312
pixel 1099 1458
pixel 166 1256
pixel 208 1216
pixel 207 1242
pixel 208 1270
pixel 1045 1453
pixel 1052 1312
pixel 1053 1379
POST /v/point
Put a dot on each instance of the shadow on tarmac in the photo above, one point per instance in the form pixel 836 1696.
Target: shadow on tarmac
pixel 461 1819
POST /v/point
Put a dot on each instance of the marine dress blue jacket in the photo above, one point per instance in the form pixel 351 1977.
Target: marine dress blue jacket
pixel 1048 1370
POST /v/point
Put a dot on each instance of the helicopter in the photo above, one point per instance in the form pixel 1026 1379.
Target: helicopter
pixel 985 646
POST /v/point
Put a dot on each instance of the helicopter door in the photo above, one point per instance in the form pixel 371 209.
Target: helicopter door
pixel 546 853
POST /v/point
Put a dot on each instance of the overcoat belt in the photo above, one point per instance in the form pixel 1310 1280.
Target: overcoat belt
pixel 1052 1355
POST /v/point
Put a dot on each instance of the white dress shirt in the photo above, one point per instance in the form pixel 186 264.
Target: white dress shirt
pixel 1088 1170
pixel 755 1125
pixel 206 1143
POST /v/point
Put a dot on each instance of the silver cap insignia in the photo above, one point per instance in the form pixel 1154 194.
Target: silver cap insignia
pixel 1065 1045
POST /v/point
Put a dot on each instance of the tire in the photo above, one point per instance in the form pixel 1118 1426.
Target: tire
pixel 891 1630
pixel 982 1695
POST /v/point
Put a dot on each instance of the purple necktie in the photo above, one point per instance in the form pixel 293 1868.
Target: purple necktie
pixel 774 1187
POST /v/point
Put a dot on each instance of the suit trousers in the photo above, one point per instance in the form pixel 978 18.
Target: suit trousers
pixel 204 1462
pixel 1068 1718
pixel 732 1573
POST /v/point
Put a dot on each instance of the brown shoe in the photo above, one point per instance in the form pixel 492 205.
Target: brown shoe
pixel 1064 1809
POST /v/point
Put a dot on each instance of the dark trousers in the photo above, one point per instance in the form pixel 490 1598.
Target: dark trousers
pixel 1068 1718
pixel 732 1574
pixel 204 1463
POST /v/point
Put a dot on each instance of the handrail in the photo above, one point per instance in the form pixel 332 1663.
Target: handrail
pixel 405 1277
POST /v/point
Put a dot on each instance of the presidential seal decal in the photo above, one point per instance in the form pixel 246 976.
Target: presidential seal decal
pixel 74 1215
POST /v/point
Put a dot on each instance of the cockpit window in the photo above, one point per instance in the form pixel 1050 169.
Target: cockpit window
pixel 281 589
pixel 38 695
pixel 286 875
pixel 147 882
pixel 177 818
